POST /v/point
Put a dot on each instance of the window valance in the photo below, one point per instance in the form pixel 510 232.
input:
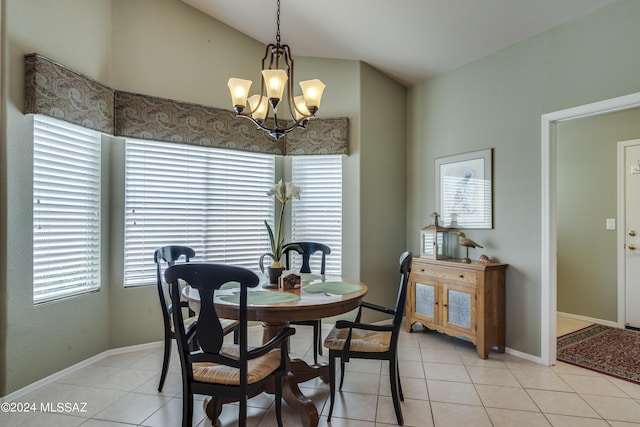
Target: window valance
pixel 52 89
pixel 55 91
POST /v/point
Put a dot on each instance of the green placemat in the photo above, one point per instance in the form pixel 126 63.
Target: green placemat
pixel 262 297
pixel 308 277
pixel 336 288
pixel 230 285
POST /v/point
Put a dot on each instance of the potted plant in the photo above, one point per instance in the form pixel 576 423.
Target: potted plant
pixel 284 193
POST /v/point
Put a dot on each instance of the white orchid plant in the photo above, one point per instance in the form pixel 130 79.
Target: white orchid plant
pixel 284 192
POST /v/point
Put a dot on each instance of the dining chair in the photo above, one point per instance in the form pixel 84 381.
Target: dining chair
pixel 306 249
pixel 170 255
pixel 356 340
pixel 232 371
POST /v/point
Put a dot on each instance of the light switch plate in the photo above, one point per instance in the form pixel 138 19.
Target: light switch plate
pixel 611 223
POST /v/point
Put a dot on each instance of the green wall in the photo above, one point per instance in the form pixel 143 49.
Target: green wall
pixel 383 195
pixel 497 102
pixel 162 48
pixel 40 340
pixel 587 196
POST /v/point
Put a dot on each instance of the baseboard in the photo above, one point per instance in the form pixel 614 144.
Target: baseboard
pixel 588 319
pixel 56 376
pixel 525 356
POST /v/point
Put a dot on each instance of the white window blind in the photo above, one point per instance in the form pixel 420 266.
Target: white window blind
pixel 210 199
pixel 317 216
pixel 66 210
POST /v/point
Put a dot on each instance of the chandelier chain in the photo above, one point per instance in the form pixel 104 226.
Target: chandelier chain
pixel 278 24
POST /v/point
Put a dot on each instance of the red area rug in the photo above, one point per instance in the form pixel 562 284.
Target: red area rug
pixel 610 351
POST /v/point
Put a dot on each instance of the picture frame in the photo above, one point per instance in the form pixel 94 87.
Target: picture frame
pixel 464 190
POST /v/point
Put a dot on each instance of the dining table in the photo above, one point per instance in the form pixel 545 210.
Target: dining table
pixel 318 296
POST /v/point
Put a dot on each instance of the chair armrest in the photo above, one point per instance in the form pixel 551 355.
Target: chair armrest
pixel 229 360
pixel 343 324
pixel 377 307
pixel 278 340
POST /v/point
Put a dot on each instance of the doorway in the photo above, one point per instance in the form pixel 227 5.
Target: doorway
pixel 549 235
pixel 629 233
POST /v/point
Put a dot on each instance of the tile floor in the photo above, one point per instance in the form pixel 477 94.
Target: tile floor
pixel 445 384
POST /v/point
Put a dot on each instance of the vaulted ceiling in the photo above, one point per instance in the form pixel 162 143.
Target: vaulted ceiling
pixel 409 40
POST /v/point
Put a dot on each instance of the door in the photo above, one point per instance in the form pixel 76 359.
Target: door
pixel 631 240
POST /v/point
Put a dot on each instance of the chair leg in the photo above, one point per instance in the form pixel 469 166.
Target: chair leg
pixel 165 361
pixel 399 383
pixel 316 340
pixel 279 400
pixel 332 382
pixel 342 369
pixel 393 377
pixel 242 416
pixel 187 408
pixel 318 325
pixel 236 335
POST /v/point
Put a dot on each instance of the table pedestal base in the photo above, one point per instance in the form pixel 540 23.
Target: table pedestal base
pixel 300 372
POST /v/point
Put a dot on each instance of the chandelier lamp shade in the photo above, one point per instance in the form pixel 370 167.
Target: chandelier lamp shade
pixel 276 88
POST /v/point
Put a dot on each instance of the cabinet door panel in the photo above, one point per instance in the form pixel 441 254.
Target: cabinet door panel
pixel 459 308
pixel 426 300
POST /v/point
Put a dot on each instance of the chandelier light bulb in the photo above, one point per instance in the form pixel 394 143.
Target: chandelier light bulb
pixel 301 110
pixel 275 81
pixel 258 104
pixel 312 92
pixel 239 89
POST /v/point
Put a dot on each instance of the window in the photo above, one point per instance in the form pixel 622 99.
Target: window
pixel 66 210
pixel 210 199
pixel 317 216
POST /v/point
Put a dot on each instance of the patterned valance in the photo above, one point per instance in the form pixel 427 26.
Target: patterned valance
pixel 53 90
pixel 319 136
pixel 146 117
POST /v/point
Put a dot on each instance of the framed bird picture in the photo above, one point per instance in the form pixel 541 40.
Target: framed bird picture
pixel 464 189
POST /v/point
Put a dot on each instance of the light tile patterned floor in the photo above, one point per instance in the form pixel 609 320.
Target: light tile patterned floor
pixel 445 384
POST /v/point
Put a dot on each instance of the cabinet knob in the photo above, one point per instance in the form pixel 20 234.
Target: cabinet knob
pixel 462 276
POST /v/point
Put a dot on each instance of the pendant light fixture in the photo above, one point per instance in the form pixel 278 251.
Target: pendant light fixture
pixel 277 81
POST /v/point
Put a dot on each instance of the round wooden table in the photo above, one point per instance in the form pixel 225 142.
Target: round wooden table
pixel 276 316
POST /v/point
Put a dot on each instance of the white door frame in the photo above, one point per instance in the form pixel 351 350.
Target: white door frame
pixel 621 231
pixel 548 266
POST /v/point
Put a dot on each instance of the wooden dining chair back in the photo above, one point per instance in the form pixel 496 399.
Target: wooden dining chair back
pixel 306 250
pixel 170 255
pixel 219 370
pixel 356 340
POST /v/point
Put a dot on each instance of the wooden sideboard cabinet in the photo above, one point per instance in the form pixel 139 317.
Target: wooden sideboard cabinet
pixel 459 299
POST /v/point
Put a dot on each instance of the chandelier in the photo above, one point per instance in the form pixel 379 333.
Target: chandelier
pixel 277 81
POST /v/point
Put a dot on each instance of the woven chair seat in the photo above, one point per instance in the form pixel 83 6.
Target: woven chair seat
pixel 361 340
pixel 258 368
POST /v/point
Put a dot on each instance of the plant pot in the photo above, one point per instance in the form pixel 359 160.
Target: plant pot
pixel 274 275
